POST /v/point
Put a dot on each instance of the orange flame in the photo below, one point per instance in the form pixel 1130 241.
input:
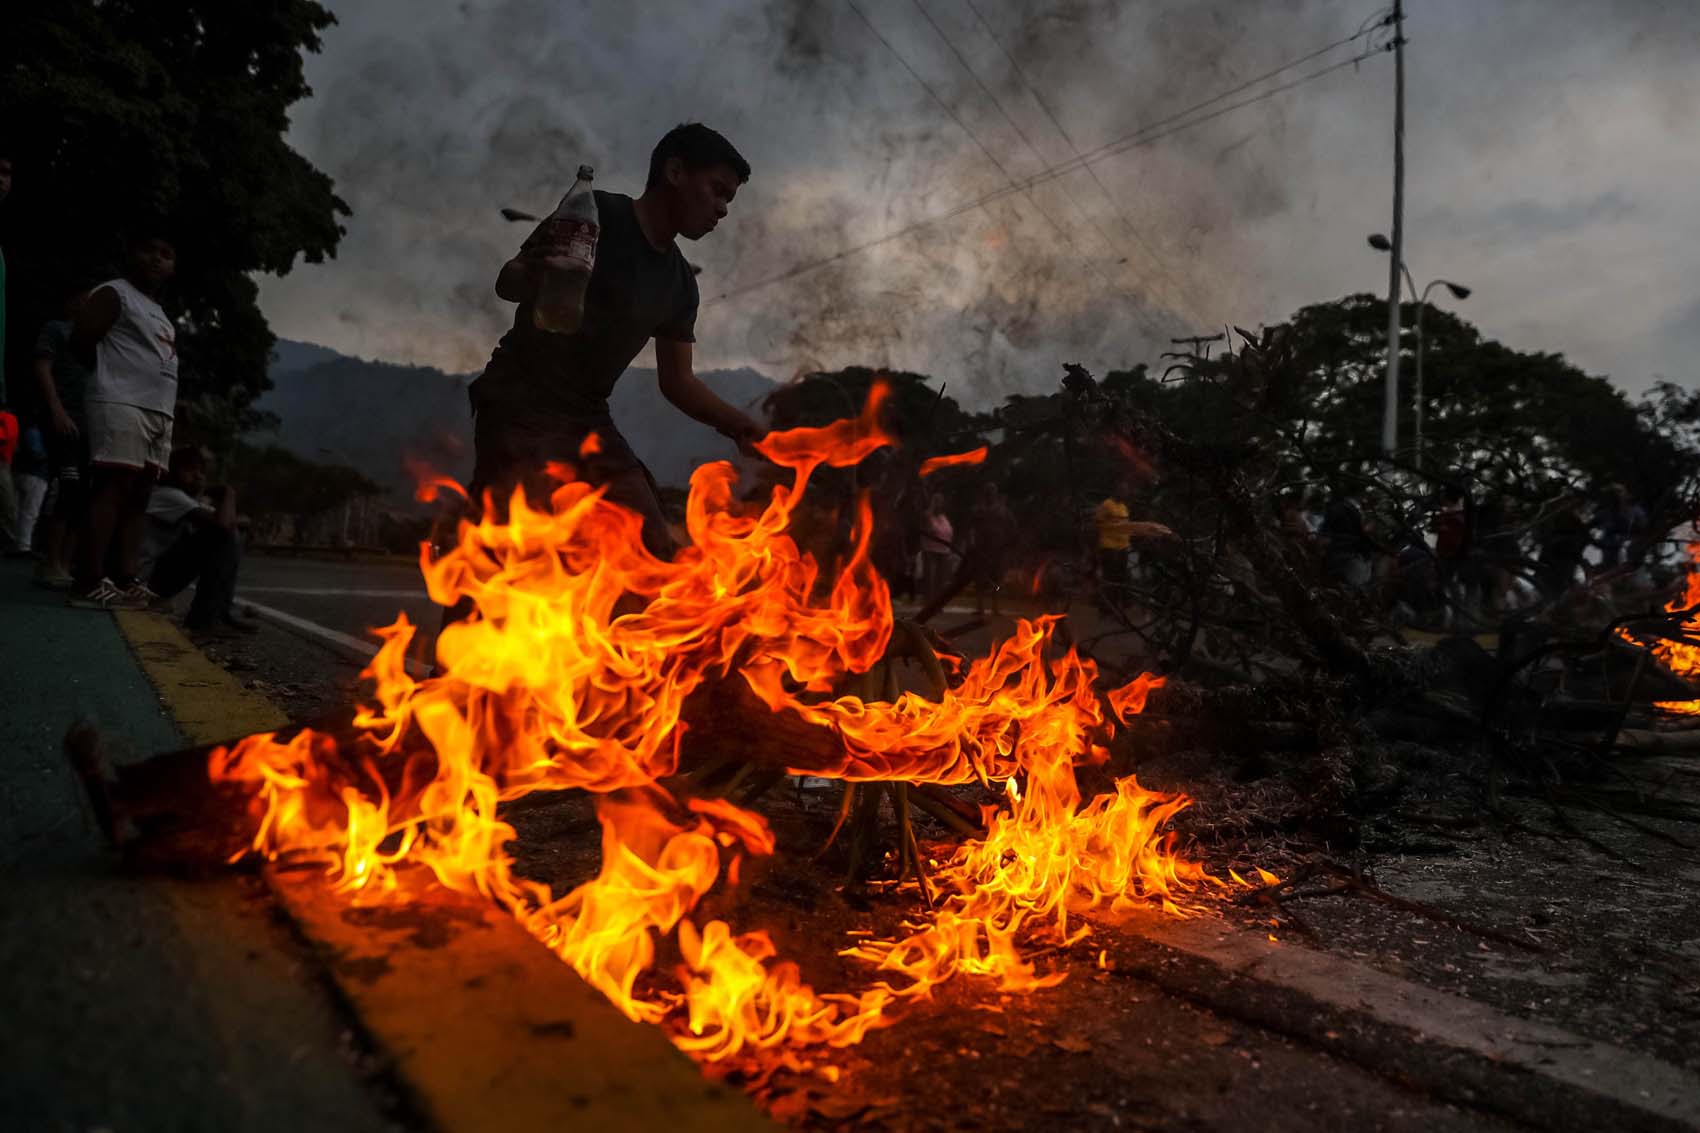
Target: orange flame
pixel 573 671
pixel 1680 658
pixel 933 463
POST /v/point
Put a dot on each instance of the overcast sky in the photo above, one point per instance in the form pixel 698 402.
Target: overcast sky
pixel 1553 160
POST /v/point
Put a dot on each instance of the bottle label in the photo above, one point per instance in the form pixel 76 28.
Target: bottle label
pixel 569 241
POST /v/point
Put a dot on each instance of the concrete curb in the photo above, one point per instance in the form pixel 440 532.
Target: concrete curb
pixel 347 645
pixel 1455 1048
pixel 487 1027
pixel 477 1017
pixel 208 703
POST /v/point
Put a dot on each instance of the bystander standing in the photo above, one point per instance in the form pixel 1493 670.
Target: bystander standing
pixel 1348 550
pixel 992 527
pixel 1114 533
pixel 937 552
pixel 8 498
pixel 62 384
pixel 124 334
pixel 1621 521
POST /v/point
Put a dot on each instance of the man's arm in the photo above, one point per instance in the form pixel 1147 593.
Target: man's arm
pixel 94 319
pixel 62 423
pixel 685 390
pixel 223 515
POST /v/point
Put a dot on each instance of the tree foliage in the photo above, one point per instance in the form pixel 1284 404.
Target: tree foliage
pixel 274 482
pixel 123 111
pixel 1530 426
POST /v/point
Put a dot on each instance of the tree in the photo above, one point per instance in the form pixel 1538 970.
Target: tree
pixel 1529 425
pixel 124 110
pixel 274 483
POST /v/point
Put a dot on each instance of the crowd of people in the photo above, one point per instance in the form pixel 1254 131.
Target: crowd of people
pixel 1482 558
pixel 91 485
pixel 1456 559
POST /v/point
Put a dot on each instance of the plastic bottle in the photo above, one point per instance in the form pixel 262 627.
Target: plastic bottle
pixel 566 243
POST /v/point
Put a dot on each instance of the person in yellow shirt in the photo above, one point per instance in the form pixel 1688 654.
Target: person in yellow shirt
pixel 1115 538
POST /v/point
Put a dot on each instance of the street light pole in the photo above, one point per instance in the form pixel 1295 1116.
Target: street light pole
pixel 1390 401
pixel 1459 291
pixel 1381 244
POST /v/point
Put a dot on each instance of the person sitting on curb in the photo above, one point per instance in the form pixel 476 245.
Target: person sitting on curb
pixel 189 540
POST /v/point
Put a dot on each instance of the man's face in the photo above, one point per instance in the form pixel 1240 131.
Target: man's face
pixel 154 260
pixel 5 177
pixel 701 197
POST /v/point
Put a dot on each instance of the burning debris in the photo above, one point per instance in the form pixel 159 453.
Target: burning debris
pixel 591 664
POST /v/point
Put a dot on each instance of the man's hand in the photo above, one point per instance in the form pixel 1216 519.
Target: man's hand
pixel 517 282
pixel 62 423
pixel 1145 529
pixel 745 432
pixel 684 389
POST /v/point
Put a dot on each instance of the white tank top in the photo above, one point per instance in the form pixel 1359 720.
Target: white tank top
pixel 136 361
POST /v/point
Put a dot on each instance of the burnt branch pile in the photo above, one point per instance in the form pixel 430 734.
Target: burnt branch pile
pixel 1278 664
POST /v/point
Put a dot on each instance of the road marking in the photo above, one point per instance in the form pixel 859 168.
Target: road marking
pixel 327 592
pixel 348 645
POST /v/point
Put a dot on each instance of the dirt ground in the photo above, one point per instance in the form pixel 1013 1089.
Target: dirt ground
pixel 1603 906
pixel 1103 1050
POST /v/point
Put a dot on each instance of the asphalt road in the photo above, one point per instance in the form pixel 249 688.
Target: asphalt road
pixel 352 596
pixel 356 596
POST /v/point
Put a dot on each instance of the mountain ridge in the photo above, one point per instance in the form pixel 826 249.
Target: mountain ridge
pixel 388 419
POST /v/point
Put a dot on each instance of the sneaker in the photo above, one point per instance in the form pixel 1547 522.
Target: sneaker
pixel 137 596
pixel 103 595
pixel 240 624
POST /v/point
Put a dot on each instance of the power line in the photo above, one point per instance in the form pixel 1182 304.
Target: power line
pixel 1009 177
pixel 1056 124
pixel 962 60
pixel 1147 135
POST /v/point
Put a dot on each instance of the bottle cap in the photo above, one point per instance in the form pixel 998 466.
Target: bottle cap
pixel 586 173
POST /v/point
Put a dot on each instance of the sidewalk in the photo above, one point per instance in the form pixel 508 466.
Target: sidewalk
pixel 141 1002
pixel 138 1003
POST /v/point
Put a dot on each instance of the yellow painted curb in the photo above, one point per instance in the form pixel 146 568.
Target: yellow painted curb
pixel 208 703
pixel 482 1022
pixel 493 1031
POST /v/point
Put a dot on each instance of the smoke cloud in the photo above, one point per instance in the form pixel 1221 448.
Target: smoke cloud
pixel 1550 145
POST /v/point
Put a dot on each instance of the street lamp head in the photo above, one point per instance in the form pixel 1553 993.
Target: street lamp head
pixel 1459 291
pixel 513 214
pixel 1380 243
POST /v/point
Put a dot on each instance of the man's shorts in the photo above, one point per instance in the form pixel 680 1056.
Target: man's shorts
pixel 514 448
pixel 128 436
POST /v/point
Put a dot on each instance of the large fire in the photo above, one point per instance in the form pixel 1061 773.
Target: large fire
pixel 572 674
pixel 1679 657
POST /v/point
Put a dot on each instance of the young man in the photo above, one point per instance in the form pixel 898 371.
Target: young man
pixel 129 341
pixel 189 540
pixel 542 393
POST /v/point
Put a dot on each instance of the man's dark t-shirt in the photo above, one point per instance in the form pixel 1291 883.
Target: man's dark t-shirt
pixel 636 293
